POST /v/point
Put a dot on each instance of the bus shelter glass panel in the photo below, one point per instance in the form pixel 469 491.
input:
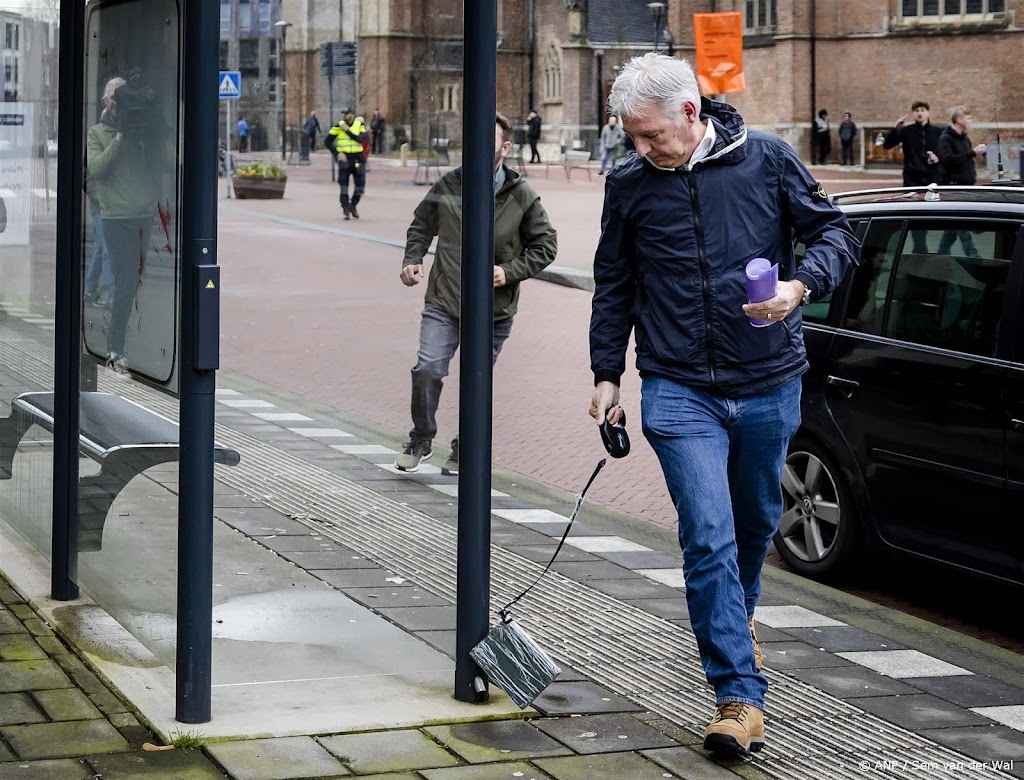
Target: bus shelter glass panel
pixel 29 37
pixel 128 490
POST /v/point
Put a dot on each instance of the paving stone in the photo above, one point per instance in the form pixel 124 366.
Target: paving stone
pixel 82 676
pixel 843 639
pixel 136 735
pixel 295 543
pixel 671 730
pixel 337 559
pixel 66 704
pixel 572 698
pixel 984 743
pixel 1011 715
pixel 20 647
pixel 120 720
pixel 920 711
pixel 769 634
pixel 505 771
pixel 19 708
pixel 62 769
pixel 31 675
pixel 442 640
pixel 22 611
pixel 670 609
pixel 422 618
pixel 284 758
pixel 541 553
pixel 568 674
pixel 9 596
pixel 797 655
pixel 64 740
pixel 619 765
pixel 644 560
pixel 38 628
pixel 905 663
pixel 228 501
pixel 391 776
pixel 278 525
pixel 388 751
pixel 5 755
pixel 165 765
pixel 604 733
pixel 107 703
pixel 789 616
pixel 641 588
pixel 388 596
pixel 598 570
pixel 258 515
pixel 497 740
pixel 969 690
pixel 689 764
pixel 847 682
pixel 9 624
pixel 360 578
pixel 51 645
pixel 517 536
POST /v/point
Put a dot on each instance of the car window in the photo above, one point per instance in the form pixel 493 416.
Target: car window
pixel 818 311
pixel 949 285
pixel 865 311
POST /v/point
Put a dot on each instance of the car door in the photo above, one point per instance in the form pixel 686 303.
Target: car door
pixel 918 386
pixel 1013 327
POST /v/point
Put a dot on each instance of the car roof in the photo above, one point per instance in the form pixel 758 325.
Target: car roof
pixel 1000 200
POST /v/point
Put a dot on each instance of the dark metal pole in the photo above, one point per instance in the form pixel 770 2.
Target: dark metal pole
pixel 477 325
pixel 599 83
pixel 284 91
pixel 199 247
pixel 68 293
pixel 814 75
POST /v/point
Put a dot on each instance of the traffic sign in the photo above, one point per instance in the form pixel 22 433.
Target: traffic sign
pixel 230 84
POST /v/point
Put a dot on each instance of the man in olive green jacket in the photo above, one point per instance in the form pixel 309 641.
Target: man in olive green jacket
pixel 525 243
pixel 125 163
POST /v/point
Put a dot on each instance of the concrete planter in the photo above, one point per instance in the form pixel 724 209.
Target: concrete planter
pixel 259 187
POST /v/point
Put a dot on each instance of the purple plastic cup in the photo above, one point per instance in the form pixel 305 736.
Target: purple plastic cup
pixel 762 279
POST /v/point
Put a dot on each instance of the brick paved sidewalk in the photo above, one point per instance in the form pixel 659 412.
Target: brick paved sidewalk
pixel 58 721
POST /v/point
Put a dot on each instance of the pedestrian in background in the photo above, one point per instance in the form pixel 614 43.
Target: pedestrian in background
pixel 524 244
pixel 611 144
pixel 956 154
pixel 920 143
pixel 311 128
pixel 243 134
pixel 847 134
pixel 377 132
pixel 720 399
pixel 822 138
pixel 533 126
pixel 345 140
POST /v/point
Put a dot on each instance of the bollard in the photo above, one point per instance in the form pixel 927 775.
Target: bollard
pixel 405 155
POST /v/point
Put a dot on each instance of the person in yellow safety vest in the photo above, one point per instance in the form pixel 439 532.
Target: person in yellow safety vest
pixel 346 139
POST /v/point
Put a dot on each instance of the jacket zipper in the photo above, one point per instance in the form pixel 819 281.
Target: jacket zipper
pixel 705 272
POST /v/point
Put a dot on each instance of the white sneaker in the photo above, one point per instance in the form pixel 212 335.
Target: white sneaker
pixel 118 364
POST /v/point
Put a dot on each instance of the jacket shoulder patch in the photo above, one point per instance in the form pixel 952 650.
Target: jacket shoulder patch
pixel 817 191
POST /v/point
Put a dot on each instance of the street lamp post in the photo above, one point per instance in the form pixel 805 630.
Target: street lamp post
pixel 283 27
pixel 657 11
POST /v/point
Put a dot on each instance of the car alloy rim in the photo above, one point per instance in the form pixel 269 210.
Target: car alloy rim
pixel 811 513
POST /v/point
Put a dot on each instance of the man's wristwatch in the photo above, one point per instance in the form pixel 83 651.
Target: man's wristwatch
pixel 807 296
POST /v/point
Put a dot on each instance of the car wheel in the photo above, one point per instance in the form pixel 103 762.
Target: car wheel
pixel 818 532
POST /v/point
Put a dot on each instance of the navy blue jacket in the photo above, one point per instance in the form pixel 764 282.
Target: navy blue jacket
pixel 673 252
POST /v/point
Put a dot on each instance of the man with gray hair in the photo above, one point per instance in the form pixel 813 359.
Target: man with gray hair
pixel 720 399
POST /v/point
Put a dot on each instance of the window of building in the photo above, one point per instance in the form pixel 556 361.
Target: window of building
pixel 759 15
pixel 950 10
pixel 10 78
pixel 12 34
pixel 448 98
pixel 249 56
pixel 244 15
pixel 264 15
pixel 225 16
pixel 272 90
pixel 224 55
pixel 274 60
pixel 553 73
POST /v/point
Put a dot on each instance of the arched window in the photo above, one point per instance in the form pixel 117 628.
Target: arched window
pixel 553 73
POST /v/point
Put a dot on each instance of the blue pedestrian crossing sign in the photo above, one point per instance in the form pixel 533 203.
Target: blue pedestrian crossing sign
pixel 230 84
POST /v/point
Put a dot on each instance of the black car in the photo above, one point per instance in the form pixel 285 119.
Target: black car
pixel 913 409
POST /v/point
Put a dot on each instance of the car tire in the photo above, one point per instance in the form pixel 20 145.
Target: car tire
pixel 819 534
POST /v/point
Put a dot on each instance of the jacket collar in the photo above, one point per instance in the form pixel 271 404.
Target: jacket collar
pixel 730 132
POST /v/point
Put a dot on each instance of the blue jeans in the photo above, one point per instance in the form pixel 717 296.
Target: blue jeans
pixel 439 338
pixel 99 262
pixel 128 244
pixel 607 159
pixel 723 460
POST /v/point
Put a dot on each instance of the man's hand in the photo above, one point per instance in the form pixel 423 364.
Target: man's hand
pixel 932 158
pixel 499 276
pixel 605 398
pixel 411 274
pixel 900 121
pixel 787 297
pixel 980 149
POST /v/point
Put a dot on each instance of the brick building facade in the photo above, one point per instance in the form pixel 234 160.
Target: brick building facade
pixel 869 57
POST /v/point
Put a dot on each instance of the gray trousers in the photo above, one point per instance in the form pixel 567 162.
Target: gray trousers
pixel 127 243
pixel 439 338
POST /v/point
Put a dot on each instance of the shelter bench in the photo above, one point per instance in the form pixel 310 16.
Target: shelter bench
pixel 122 436
pixel 572 158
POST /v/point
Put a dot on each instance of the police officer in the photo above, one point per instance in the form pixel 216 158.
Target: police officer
pixel 347 137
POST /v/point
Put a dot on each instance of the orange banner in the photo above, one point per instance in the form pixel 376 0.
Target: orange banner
pixel 719 52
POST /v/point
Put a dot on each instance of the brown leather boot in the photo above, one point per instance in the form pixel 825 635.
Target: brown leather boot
pixel 758 656
pixel 736 729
